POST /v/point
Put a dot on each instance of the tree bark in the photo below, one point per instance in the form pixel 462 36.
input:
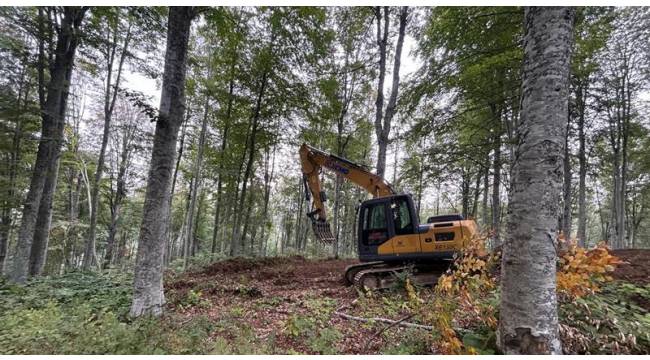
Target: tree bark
pixel 49 147
pixel 496 192
pixel 528 316
pixel 38 254
pixel 196 175
pixel 148 292
pixel 566 198
pixel 582 159
pixel 237 238
pixel 224 144
pixel 110 96
pixel 383 121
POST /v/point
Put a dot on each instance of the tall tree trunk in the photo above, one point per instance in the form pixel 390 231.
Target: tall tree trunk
pixel 383 121
pixel 566 198
pixel 10 201
pixel 170 251
pixel 224 143
pixel 49 146
pixel 268 179
pixel 120 193
pixel 237 237
pixel 148 292
pixel 477 187
pixel 582 159
pixel 486 191
pixel 38 254
pixel 196 175
pixel 496 193
pixel 529 320
pixel 110 95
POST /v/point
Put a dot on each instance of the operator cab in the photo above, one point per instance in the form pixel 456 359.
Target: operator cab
pixel 383 218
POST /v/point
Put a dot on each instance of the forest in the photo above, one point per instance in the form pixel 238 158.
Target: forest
pixel 153 199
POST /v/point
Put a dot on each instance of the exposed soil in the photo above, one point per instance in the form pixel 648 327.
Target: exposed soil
pixel 259 299
pixel 636 266
pixel 264 294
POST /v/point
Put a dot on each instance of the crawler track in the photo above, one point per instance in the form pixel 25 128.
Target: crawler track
pixel 379 275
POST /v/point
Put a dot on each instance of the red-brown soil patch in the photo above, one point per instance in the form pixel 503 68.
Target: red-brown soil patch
pixel 636 266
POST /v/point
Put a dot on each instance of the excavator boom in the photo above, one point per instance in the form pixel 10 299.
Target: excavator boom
pixel 313 161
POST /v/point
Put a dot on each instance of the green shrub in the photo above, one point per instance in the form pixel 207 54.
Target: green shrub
pixel 610 322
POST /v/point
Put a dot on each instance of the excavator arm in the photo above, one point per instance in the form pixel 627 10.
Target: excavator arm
pixel 313 161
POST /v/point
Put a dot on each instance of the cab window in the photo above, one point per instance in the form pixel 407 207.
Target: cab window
pixel 401 216
pixel 375 230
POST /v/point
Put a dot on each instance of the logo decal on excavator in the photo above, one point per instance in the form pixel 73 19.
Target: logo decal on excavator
pixel 337 167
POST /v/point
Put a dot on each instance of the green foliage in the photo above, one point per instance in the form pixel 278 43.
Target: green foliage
pixel 412 342
pixel 610 322
pixel 86 313
pixel 102 292
pixel 194 299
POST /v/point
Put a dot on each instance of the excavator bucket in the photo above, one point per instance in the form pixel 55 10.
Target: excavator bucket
pixel 322 231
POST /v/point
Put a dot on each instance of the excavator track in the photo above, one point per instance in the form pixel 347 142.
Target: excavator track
pixel 386 277
pixel 352 270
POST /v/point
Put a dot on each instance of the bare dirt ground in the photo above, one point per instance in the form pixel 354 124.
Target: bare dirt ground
pixel 636 268
pixel 277 300
pixel 286 305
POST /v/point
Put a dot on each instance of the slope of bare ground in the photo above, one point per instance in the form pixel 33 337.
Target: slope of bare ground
pixel 286 305
pixel 636 266
pixel 282 305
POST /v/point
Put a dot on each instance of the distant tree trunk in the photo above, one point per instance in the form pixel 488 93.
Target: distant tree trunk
pixel 49 146
pixel 496 193
pixel 196 239
pixel 249 209
pixel 566 198
pixel 477 188
pixel 224 143
pixel 582 159
pixel 148 292
pixel 120 193
pixel 486 191
pixel 465 187
pixel 170 251
pixel 383 121
pixel 268 179
pixel 196 175
pixel 9 202
pixel 237 237
pixel 110 95
pixel 528 316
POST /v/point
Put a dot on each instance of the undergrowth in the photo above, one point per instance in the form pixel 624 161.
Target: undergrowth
pixel 87 313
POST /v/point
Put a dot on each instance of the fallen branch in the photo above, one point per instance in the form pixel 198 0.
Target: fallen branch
pixel 401 322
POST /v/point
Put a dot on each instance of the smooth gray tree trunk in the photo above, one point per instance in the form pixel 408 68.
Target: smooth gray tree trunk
pixel 582 159
pixel 528 316
pixel 566 198
pixel 49 146
pixel 148 292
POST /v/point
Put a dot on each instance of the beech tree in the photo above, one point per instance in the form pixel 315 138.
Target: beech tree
pixel 383 117
pixel 148 292
pixel 53 99
pixel 528 316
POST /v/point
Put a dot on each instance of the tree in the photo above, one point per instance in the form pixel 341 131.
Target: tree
pixel 529 320
pixel 148 292
pixel 49 147
pixel 592 29
pixel 114 41
pixel 383 120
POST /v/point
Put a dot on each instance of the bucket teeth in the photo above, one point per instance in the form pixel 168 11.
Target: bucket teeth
pixel 323 231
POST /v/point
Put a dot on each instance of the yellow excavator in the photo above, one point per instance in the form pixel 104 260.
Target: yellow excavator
pixel 390 238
